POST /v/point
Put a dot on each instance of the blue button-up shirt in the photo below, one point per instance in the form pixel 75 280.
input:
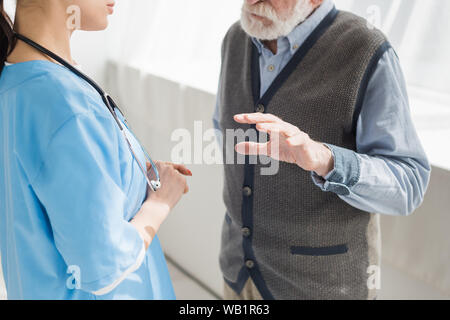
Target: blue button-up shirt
pixel 389 173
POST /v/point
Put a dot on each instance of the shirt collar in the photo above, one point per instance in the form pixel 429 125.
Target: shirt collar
pixel 301 32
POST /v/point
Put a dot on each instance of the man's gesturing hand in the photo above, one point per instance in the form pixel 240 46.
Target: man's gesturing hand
pixel 287 143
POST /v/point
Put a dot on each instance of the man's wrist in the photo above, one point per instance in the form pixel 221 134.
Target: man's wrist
pixel 345 173
pixel 326 161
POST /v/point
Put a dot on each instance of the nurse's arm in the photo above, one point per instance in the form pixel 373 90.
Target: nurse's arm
pixel 149 219
pixel 158 205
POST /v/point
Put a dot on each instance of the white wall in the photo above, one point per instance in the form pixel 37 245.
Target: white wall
pixel 90 51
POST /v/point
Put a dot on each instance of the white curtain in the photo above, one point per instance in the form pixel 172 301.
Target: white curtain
pixel 419 32
pixel 180 40
pixel 426 45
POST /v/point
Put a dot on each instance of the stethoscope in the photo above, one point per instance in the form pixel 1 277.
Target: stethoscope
pixel 110 104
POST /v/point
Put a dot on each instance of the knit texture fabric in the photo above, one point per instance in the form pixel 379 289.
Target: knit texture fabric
pixel 307 244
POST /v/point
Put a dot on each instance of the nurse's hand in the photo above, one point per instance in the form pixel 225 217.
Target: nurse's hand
pixel 158 205
pixel 173 183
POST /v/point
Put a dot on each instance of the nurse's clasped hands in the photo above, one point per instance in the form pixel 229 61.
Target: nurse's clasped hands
pixel 158 204
pixel 173 181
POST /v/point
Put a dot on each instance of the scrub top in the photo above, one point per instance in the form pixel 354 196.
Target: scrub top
pixel 68 188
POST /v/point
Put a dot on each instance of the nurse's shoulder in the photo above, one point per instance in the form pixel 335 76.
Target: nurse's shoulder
pixel 38 98
pixel 54 92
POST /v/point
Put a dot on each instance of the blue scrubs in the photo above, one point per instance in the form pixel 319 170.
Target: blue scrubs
pixel 68 188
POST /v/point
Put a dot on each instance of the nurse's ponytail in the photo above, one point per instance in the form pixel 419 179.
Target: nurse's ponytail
pixel 7 39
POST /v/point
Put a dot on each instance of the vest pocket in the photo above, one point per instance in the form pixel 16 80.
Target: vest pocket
pixel 319 251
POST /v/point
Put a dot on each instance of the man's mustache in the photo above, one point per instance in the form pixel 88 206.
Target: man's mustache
pixel 262 10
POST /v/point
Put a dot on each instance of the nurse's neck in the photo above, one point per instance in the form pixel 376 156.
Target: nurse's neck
pixel 45 25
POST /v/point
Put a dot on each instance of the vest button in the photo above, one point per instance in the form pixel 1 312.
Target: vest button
pixel 260 108
pixel 249 264
pixel 245 231
pixel 247 191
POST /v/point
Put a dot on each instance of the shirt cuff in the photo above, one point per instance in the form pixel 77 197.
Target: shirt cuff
pixel 345 174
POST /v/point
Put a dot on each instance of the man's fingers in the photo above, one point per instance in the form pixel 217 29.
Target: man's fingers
pixel 268 123
pixel 285 129
pixel 252 148
pixel 297 140
pixel 253 118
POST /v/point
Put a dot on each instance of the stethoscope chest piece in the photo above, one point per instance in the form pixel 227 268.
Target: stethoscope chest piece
pixel 155 185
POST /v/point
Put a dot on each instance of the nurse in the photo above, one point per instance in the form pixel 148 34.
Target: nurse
pixel 77 220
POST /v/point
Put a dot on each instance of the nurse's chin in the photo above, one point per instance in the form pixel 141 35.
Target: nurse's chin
pixel 99 26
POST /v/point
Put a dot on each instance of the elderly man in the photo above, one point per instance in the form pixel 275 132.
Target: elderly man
pixel 328 89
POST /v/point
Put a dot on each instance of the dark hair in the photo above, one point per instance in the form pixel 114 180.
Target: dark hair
pixel 7 39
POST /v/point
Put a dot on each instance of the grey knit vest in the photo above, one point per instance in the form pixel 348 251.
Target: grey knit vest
pixel 293 239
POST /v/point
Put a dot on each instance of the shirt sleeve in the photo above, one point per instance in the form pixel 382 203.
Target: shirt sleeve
pixel 79 185
pixel 390 172
pixel 216 120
